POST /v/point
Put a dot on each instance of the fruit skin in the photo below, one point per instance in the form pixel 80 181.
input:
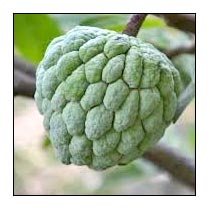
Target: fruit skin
pixel 105 97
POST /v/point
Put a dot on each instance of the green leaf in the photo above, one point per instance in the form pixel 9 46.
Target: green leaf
pixel 112 22
pixel 108 21
pixel 32 34
pixel 153 22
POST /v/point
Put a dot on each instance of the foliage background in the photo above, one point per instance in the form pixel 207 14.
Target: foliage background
pixel 37 171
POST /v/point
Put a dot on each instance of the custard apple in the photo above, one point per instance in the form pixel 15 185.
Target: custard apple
pixel 106 97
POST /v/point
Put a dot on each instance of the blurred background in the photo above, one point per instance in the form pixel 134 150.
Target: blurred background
pixel 36 169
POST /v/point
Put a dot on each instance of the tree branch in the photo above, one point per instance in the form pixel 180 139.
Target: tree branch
pixel 184 99
pixel 24 78
pixel 177 165
pixel 181 49
pixel 23 84
pixel 134 24
pixel 185 22
pixel 24 66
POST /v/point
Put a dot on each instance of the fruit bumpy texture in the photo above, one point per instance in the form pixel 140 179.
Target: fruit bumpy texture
pixel 106 97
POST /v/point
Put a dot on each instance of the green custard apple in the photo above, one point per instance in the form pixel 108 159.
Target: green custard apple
pixel 106 97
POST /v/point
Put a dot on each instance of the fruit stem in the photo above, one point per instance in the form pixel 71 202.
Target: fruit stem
pixel 134 24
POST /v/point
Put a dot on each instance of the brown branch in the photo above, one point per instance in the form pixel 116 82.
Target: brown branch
pixel 134 24
pixel 23 84
pixel 24 66
pixel 176 164
pixel 180 50
pixel 24 78
pixel 184 22
pixel 184 99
